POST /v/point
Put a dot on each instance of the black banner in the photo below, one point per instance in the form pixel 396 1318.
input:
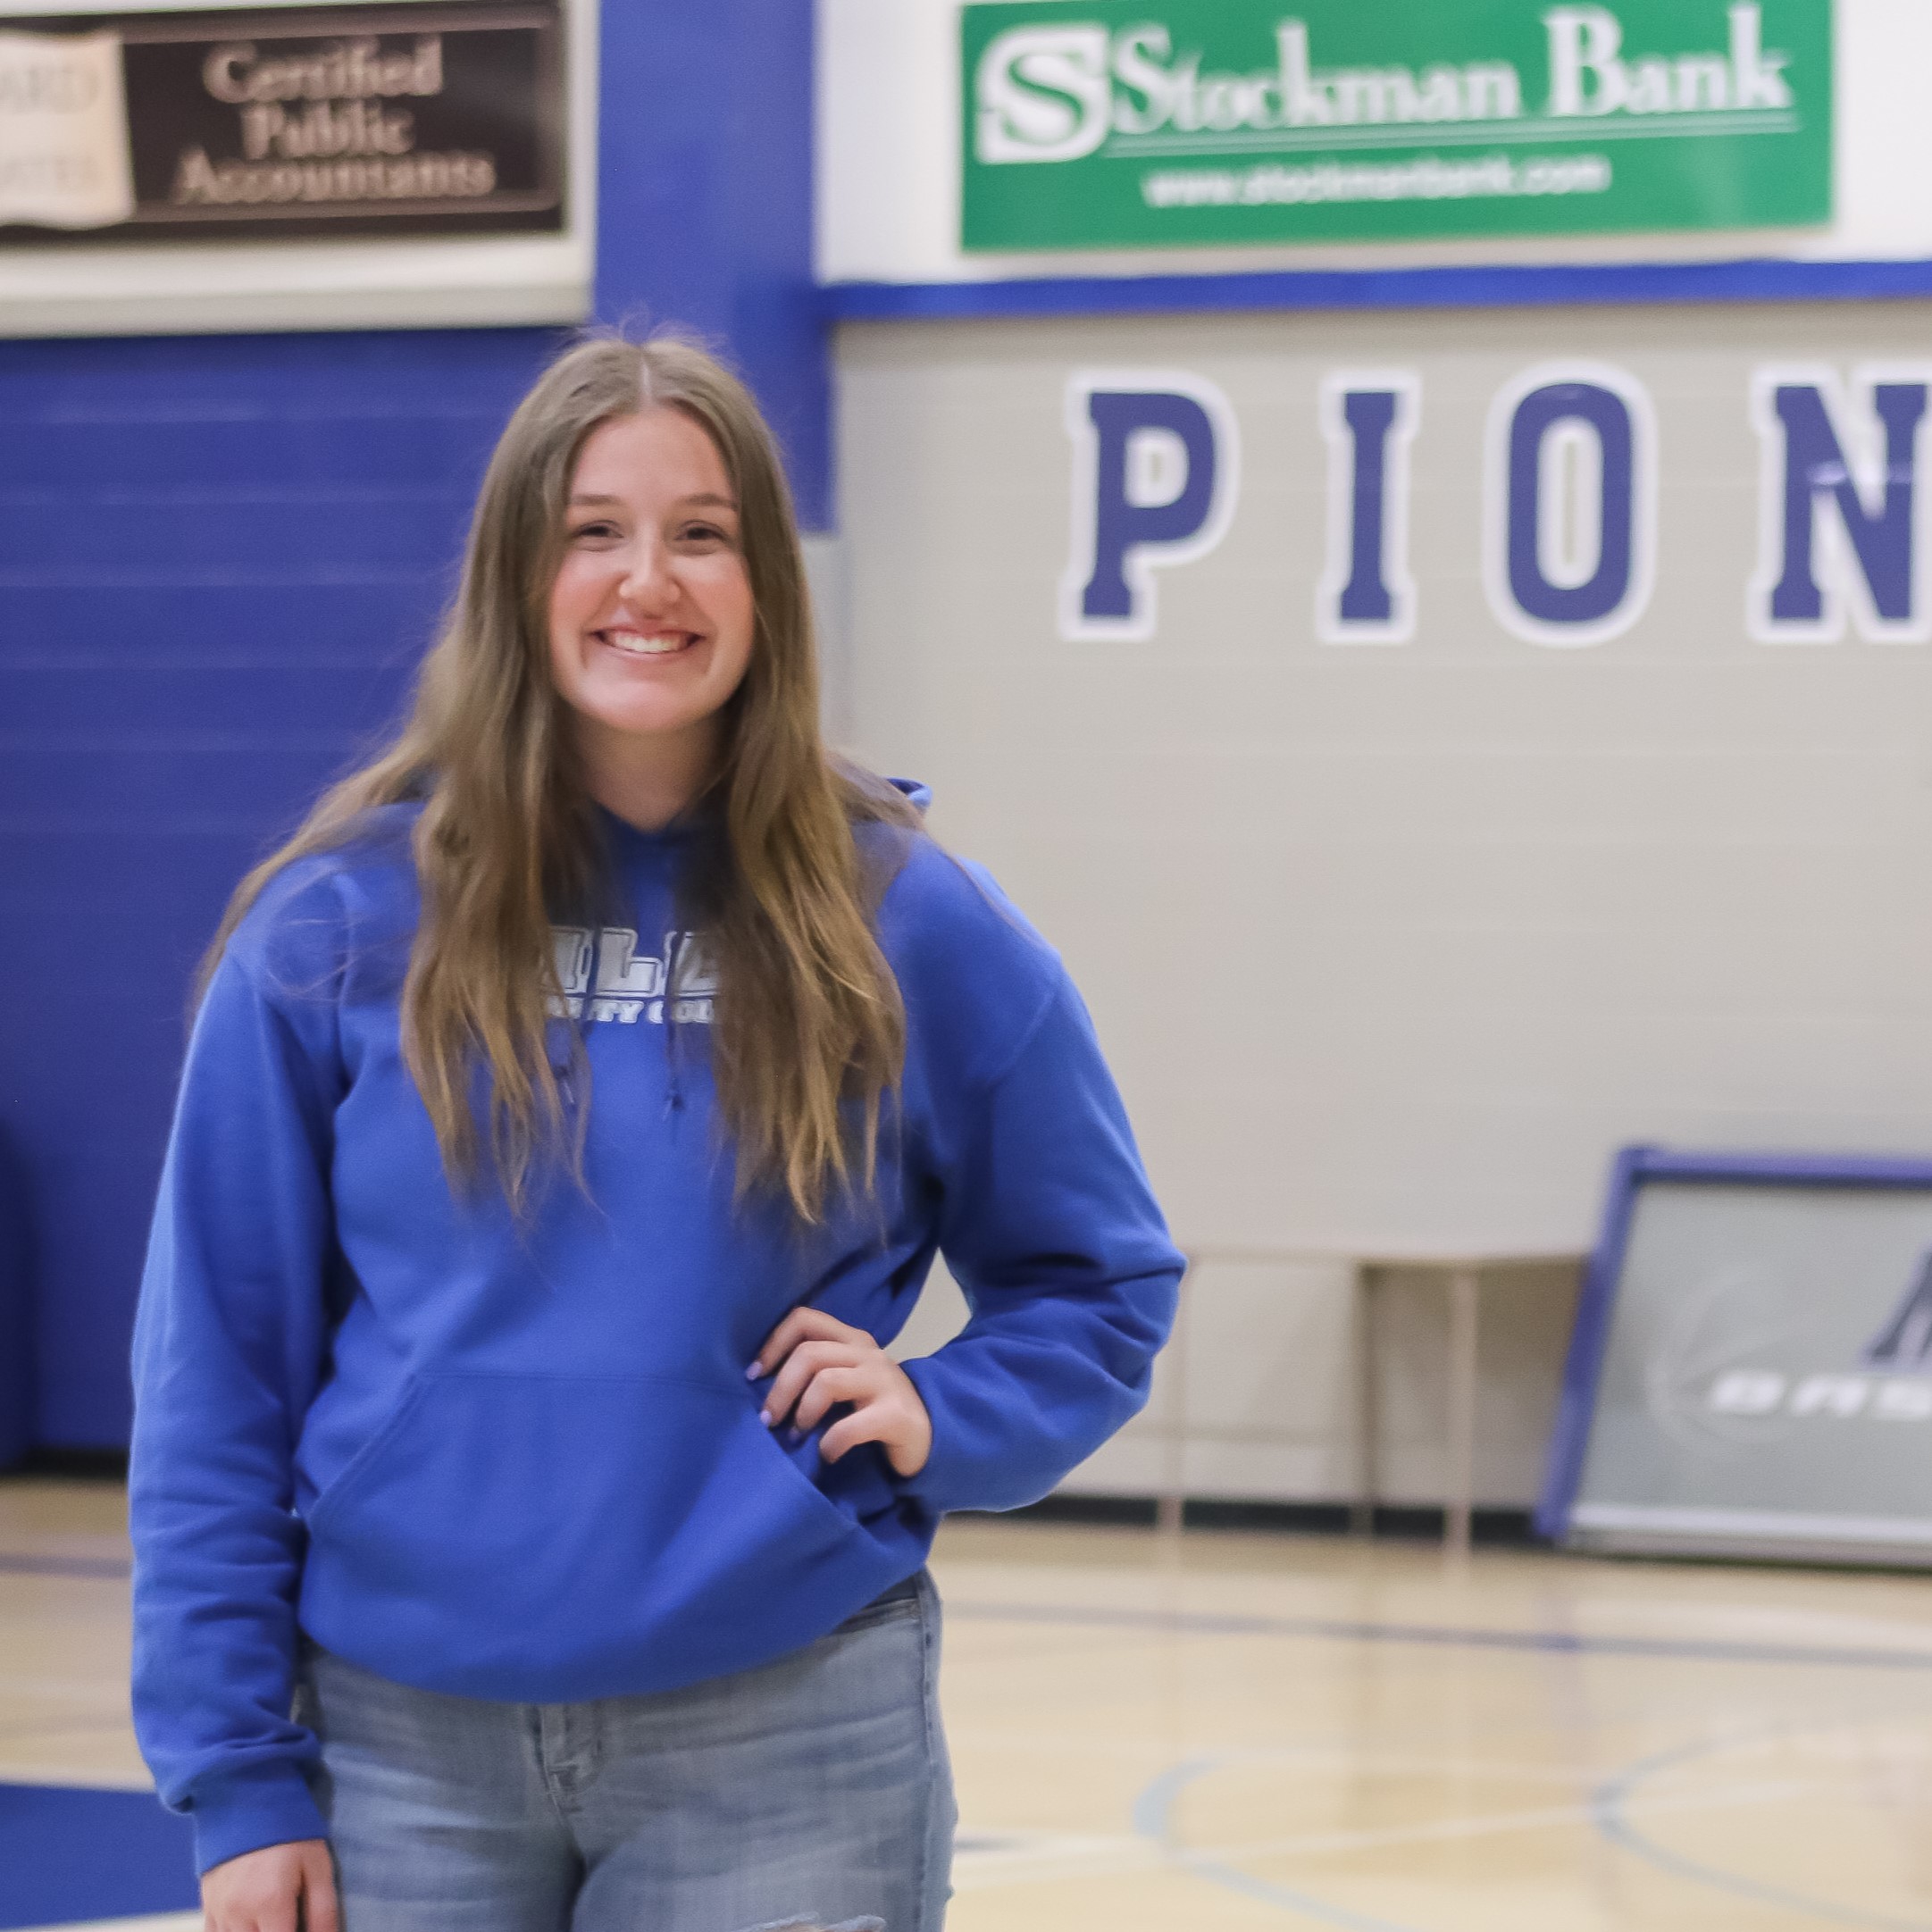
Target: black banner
pixel 294 123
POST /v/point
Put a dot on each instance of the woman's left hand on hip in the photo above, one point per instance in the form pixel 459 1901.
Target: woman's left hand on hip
pixel 819 1362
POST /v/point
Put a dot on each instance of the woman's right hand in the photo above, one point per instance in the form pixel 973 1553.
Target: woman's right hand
pixel 280 1888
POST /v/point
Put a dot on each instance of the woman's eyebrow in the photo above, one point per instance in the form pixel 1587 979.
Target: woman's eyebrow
pixel 706 497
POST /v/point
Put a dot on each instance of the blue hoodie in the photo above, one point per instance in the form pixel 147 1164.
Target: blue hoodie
pixel 521 1460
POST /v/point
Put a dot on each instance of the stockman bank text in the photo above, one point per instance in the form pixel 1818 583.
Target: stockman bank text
pixel 1202 122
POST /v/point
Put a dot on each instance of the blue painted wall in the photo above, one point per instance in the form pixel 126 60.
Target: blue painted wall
pixel 220 560
pixel 706 214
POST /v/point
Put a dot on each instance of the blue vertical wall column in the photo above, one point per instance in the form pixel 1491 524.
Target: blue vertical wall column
pixel 220 558
pixel 17 1377
pixel 705 208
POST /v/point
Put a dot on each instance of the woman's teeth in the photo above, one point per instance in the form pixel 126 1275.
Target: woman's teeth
pixel 657 644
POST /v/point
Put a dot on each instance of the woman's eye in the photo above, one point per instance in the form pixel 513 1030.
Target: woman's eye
pixel 583 531
pixel 705 533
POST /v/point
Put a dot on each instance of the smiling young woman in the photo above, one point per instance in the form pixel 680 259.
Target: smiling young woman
pixel 651 615
pixel 530 1524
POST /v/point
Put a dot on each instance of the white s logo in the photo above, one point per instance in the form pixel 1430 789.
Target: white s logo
pixel 1044 94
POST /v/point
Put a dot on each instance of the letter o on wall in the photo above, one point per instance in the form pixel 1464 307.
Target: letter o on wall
pixel 1535 423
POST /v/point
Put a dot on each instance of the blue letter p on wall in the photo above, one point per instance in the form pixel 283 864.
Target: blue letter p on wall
pixel 1157 466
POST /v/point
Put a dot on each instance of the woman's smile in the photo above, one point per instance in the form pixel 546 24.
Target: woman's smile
pixel 629 642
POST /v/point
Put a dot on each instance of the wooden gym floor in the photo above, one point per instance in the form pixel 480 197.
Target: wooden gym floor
pixel 1227 1731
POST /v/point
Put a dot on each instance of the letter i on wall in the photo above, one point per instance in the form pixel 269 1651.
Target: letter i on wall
pixel 1367 594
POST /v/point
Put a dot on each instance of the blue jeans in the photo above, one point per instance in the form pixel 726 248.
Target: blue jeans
pixel 815 1789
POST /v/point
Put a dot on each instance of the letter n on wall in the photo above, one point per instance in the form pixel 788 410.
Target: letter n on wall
pixel 1157 470
pixel 1840 515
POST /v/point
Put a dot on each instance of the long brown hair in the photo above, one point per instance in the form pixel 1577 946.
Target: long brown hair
pixel 809 1031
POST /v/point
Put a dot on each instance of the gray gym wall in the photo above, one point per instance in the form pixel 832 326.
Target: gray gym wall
pixel 1393 945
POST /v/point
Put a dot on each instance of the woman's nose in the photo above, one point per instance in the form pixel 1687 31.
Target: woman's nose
pixel 649 578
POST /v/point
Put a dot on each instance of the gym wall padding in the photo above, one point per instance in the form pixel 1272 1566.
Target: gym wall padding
pixel 220 558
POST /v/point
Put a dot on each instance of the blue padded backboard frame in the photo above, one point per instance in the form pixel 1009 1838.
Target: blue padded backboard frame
pixel 1633 1166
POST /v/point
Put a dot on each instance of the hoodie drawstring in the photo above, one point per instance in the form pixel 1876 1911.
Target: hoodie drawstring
pixel 674 943
pixel 564 1034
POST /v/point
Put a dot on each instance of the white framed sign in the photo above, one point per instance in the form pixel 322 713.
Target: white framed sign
pixel 362 163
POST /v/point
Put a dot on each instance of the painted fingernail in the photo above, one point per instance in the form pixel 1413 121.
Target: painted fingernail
pixel 753 1370
pixel 765 1417
pixel 797 1436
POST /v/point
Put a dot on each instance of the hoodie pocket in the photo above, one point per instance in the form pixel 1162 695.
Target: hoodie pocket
pixel 367 1457
pixel 554 1538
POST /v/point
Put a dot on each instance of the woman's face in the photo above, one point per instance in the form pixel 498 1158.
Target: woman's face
pixel 651 617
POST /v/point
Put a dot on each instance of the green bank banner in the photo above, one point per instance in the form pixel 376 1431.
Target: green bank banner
pixel 1154 123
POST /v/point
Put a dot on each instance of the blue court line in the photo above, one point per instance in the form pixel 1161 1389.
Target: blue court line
pixel 1608 1805
pixel 70 1855
pixel 1153 1811
pixel 1545 1643
pixel 1153 1818
pixel 15 1565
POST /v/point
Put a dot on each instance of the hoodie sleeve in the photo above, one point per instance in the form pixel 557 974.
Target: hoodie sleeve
pixel 229 1343
pixel 1052 1232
